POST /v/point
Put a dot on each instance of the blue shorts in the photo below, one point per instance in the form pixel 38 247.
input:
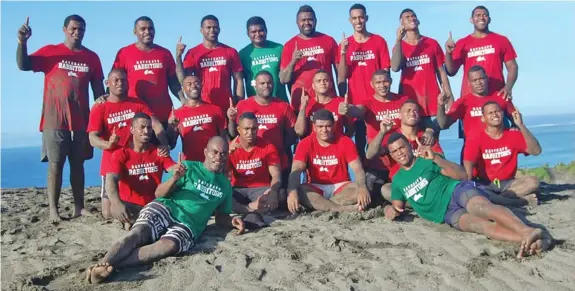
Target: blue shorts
pixel 462 193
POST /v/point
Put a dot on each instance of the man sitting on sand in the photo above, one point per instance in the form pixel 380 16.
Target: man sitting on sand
pixel 134 172
pixel 493 153
pixel 326 155
pixel 255 169
pixel 432 186
pixel 175 220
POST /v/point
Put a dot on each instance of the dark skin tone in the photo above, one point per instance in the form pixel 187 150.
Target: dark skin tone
pixel 74 34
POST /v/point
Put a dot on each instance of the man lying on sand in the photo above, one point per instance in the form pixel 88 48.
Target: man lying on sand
pixel 172 223
pixel 432 186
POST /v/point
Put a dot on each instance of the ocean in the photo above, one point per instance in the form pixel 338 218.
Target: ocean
pixel 21 166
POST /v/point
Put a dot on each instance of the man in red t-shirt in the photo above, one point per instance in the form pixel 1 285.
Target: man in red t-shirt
pixel 109 125
pixel 326 156
pixel 410 127
pixel 255 169
pixel 493 153
pixel 196 121
pixel 216 64
pixel 135 171
pixel 360 56
pixel 323 99
pixel 304 54
pixel 420 59
pixel 151 70
pixel 276 120
pixel 468 107
pixel 70 68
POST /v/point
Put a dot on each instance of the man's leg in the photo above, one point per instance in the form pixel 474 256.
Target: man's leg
pixel 313 198
pixel 81 150
pixel 56 145
pixel 523 187
pixel 499 193
pixel 105 201
pixel 246 200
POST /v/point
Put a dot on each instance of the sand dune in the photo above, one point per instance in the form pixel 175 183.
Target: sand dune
pixel 316 251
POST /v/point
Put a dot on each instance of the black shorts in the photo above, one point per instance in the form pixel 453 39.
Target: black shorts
pixel 496 187
pixel 57 145
pixel 245 196
pixel 462 193
pixel 375 179
pixel 162 225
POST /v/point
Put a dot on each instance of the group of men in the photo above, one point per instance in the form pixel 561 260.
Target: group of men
pixel 237 154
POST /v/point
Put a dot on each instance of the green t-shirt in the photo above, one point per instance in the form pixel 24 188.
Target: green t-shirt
pixel 256 59
pixel 197 195
pixel 427 190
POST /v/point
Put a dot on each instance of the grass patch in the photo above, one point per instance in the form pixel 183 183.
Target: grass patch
pixel 544 172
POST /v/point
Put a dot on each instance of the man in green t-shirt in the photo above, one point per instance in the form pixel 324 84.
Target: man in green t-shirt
pixel 175 220
pixel 438 191
pixel 261 54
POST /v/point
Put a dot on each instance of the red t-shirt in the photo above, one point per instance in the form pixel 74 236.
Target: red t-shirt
pixel 140 173
pixel 468 109
pixel 418 76
pixel 363 59
pixel 393 165
pixel 197 125
pixel 273 120
pixel 67 79
pixel 376 111
pixel 319 52
pixel 496 158
pixel 148 76
pixel 250 169
pixel 332 106
pixel 216 68
pixel 490 52
pixel 326 165
pixel 107 116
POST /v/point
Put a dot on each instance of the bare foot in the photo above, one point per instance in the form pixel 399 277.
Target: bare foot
pixel 531 200
pixel 81 212
pixel 96 274
pixel 528 240
pixel 55 216
pixel 539 246
pixel 127 226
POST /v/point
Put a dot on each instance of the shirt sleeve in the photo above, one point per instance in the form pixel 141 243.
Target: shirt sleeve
pixel 167 162
pixel 40 59
pixel 236 63
pixel 333 51
pixel 457 54
pixel 384 59
pixel 350 151
pixel 95 121
pixel 272 156
pixel 221 120
pixel 189 62
pixel 146 109
pixel 439 55
pixel 396 193
pixel 290 117
pixel 509 109
pixel 302 151
pixel 170 64
pixel 507 51
pixel 519 142
pixel 472 151
pixel 98 73
pixel 226 205
pixel 119 61
pixel 287 53
pixel 457 110
pixel 117 161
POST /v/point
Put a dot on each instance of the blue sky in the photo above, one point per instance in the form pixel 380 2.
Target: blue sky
pixel 540 32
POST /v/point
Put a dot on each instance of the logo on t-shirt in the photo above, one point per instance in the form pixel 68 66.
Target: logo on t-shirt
pixel 73 67
pixel 120 117
pixel 362 56
pixel 213 63
pixel 142 170
pixel 265 60
pixel 249 164
pixel 330 160
pixel 147 66
pixel 494 155
pixel 417 62
pixel 208 190
pixel 414 188
pixel 197 120
pixel 480 52
pixel 311 52
pixel 390 114
pixel 475 112
pixel 264 119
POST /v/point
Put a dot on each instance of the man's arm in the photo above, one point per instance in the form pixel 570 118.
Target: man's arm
pixel 276 174
pixel 22 58
pixel 97 142
pixel 166 188
pixel 533 146
pixel 397 56
pixel 445 85
pixel 374 149
pixel 180 72
pixel 358 172
pixel 449 169
pixel 294 179
pixel 160 132
pixel 356 111
pixel 176 87
pixel 342 74
pixel 112 187
pixel 512 74
pixel 239 92
pixel 469 165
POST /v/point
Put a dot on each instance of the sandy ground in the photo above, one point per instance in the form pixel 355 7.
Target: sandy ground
pixel 316 251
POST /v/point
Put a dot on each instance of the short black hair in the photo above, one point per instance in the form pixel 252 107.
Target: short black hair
pixel 410 101
pixel 395 137
pixel 140 115
pixel 256 20
pixel 476 68
pixel 143 18
pixel 247 115
pixel 263 72
pixel 323 114
pixel 381 72
pixel 117 70
pixel 406 10
pixel 209 17
pixel 358 6
pixel 488 103
pixel 74 17
pixel 304 9
pixel 479 7
pixel 321 71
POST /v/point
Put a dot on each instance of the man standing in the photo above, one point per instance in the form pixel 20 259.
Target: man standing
pixel 173 222
pixel 304 54
pixel 420 59
pixel 493 154
pixel 215 63
pixel 255 170
pixel 326 156
pixel 151 70
pixel 110 129
pixel 361 55
pixel 261 55
pixel 195 122
pixel 69 68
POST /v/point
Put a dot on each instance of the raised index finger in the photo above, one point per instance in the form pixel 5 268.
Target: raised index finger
pixel 180 40
pixel 27 20
pixel 449 36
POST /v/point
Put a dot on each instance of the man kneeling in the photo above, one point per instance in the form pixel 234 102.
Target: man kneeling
pixel 254 169
pixel 326 155
pixel 174 221
pixel 432 187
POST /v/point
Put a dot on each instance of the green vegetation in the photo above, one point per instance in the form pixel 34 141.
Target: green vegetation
pixel 544 173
